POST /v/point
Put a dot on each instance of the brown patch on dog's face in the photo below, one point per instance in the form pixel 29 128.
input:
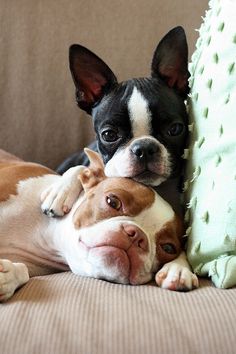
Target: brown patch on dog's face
pixel 11 173
pixel 113 197
pixel 168 241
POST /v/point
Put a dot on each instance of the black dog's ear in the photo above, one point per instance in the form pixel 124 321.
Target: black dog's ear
pixel 170 61
pixel 92 77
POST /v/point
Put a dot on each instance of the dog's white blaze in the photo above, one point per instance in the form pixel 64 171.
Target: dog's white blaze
pixel 140 115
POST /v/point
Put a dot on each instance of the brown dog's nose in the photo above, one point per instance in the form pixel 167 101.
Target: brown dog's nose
pixel 137 236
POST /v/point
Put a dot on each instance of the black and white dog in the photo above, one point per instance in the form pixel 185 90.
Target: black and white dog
pixel 140 124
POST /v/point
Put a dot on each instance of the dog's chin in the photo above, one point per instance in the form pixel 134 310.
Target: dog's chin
pixel 150 178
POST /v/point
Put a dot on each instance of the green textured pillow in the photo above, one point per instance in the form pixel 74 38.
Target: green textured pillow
pixel 211 167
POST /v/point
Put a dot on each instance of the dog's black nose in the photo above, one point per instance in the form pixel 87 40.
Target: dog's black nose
pixel 144 150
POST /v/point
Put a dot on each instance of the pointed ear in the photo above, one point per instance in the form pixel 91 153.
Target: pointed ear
pixel 94 174
pixel 170 61
pixel 95 159
pixel 92 77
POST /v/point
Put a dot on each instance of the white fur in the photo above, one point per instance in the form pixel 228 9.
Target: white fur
pixel 124 163
pixel 177 275
pixel 61 195
pixel 140 115
pixel 12 275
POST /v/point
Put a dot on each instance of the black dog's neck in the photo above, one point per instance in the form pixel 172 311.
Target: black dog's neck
pixel 171 193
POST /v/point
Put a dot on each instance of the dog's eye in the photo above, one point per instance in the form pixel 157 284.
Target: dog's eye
pixel 113 202
pixel 169 248
pixel 110 135
pixel 175 129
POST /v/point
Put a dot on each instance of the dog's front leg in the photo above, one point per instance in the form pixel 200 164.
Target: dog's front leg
pixel 58 198
pixel 177 275
pixel 12 276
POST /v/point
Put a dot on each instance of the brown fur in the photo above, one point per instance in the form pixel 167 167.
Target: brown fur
pixel 171 232
pixel 12 171
pixel 134 198
pixel 6 156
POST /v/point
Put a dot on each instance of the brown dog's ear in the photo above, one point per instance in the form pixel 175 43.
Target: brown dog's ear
pixel 95 159
pixel 94 174
pixel 92 77
pixel 170 61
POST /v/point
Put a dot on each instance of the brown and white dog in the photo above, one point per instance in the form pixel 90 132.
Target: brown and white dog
pixel 118 229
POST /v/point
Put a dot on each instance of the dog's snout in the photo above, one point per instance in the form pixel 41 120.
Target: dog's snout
pixel 144 150
pixel 137 237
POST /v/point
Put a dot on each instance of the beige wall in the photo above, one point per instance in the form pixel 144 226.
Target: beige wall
pixel 39 119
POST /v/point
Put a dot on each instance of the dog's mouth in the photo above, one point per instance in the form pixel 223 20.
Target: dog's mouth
pixel 149 177
pixel 150 173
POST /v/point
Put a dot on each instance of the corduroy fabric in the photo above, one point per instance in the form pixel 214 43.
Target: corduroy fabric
pixel 64 313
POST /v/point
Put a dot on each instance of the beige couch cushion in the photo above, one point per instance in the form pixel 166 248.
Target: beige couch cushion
pixel 64 313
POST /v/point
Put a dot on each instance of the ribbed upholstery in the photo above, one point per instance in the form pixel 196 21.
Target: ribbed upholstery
pixel 64 313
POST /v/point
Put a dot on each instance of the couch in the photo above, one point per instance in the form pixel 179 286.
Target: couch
pixel 64 313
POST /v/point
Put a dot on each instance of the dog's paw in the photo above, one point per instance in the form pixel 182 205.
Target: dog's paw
pixel 58 199
pixel 12 276
pixel 177 277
